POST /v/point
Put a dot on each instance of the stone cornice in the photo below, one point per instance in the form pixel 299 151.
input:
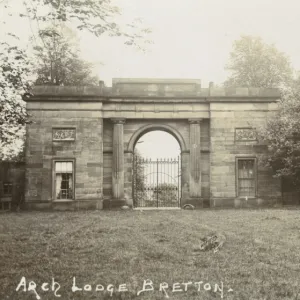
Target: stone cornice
pixel 195 121
pixel 104 94
pixel 67 90
pixel 162 100
pixel 118 120
pixel 44 98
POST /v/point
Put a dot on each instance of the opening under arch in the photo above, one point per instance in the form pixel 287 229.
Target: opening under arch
pixel 156 170
pixel 149 128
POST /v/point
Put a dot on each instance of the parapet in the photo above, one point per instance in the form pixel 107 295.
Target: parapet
pixel 50 90
pixel 155 87
pixel 152 88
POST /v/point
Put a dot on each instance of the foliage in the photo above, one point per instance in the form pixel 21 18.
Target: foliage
pixel 282 135
pixel 14 83
pixel 139 169
pixel 95 16
pixel 167 193
pixel 254 63
pixel 58 62
pixel 139 177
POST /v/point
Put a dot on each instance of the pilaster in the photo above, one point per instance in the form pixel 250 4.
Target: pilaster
pixel 118 159
pixel 195 159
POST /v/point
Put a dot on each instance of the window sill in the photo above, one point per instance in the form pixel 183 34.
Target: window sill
pixel 63 200
pixel 6 199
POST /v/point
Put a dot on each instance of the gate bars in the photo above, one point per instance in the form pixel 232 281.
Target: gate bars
pixel 156 183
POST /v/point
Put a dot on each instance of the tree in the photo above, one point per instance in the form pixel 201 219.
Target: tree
pixel 95 16
pixel 282 135
pixel 139 178
pixel 58 61
pixel 256 64
pixel 14 82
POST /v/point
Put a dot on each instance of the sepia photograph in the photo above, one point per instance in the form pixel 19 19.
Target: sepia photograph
pixel 149 149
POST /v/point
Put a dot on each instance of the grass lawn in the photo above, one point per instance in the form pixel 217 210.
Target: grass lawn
pixel 259 260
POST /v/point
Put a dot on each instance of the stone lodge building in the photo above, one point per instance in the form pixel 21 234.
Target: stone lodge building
pixel 80 146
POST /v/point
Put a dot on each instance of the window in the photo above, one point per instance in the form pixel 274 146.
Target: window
pixel 7 188
pixel 246 177
pixel 64 179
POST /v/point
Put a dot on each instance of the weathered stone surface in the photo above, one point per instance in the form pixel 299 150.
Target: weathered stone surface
pixel 195 158
pixel 118 159
pixel 102 151
pixel 41 150
pixel 225 149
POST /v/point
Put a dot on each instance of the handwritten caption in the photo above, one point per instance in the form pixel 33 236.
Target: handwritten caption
pixel 147 286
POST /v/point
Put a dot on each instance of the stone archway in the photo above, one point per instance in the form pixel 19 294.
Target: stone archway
pixel 129 151
pixel 151 127
pixel 164 179
pixel 126 133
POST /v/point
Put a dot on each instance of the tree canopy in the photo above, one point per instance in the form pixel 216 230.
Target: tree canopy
pixel 14 82
pixel 282 135
pixel 95 16
pixel 254 63
pixel 58 62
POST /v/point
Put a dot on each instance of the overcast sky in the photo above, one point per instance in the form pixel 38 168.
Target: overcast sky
pixel 158 144
pixel 191 38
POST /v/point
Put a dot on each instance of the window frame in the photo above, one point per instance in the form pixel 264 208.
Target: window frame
pixel 54 160
pixel 240 158
pixel 9 183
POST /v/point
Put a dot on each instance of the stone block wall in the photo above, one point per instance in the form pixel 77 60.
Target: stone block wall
pixel 171 105
pixel 225 149
pixel 205 160
pixel 107 158
pixel 14 174
pixel 86 150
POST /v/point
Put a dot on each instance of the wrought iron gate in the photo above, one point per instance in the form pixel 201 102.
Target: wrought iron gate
pixel 156 183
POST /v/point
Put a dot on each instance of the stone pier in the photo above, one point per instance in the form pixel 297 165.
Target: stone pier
pixel 195 159
pixel 118 160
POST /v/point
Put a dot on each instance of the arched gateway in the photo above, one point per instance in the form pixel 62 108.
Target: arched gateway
pixel 80 146
pixel 157 167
